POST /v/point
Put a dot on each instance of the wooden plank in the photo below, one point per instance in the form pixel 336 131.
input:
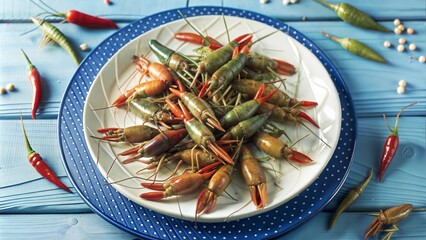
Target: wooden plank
pixel 314 11
pixel 404 180
pixel 381 79
pixel 91 226
pixel 119 10
pixel 133 9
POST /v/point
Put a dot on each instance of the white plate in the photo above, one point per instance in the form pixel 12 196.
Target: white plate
pixel 285 180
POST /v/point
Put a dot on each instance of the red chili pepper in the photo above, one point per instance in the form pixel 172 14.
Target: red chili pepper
pixel 40 165
pixel 78 18
pixel 35 80
pixel 86 20
pixel 391 144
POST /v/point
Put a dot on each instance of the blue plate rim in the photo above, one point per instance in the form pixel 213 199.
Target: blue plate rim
pixel 226 11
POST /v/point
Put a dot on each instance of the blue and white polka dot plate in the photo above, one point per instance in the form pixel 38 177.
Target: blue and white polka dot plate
pixel 147 224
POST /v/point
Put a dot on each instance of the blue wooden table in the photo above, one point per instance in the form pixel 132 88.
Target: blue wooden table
pixel 32 208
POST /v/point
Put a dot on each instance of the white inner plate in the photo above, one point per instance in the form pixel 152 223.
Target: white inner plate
pixel 284 180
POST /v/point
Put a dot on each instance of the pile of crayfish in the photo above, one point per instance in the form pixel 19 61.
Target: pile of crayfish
pixel 209 111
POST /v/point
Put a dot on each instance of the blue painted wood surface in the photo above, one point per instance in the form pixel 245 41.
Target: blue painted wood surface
pixel 32 207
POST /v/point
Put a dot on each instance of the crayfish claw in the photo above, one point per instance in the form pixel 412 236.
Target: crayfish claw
pixel 299 157
pixel 206 201
pixel 307 118
pixel 215 123
pixel 259 195
pixel 308 103
pixel 220 152
pixel 152 196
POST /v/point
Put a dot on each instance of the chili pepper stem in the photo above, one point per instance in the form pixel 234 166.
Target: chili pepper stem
pixel 30 65
pixel 394 131
pixel 27 143
pixel 341 41
pixel 333 7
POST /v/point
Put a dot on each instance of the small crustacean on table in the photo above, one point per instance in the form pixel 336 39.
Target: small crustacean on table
pixel 281 114
pixel 262 63
pixel 196 157
pixel 221 56
pixel 229 71
pixel 246 110
pixel 280 98
pixel 132 134
pixel 141 90
pixel 217 184
pixel 158 145
pixel 199 108
pixel 352 196
pixel 147 110
pixel 246 128
pixel 207 199
pixel 199 133
pixel 168 56
pixel 179 185
pixel 254 177
pixel 276 148
pixel 153 69
pixel 390 216
pixel 190 37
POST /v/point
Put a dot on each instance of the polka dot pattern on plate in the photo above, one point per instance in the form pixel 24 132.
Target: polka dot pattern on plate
pixel 147 224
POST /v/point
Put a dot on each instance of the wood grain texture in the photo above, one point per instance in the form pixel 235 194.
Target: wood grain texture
pixel 33 208
pixel 91 226
pixel 404 181
pixel 381 79
pixel 119 10
pixel 130 9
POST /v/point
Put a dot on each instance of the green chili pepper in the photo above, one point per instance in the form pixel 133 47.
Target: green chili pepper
pixel 350 198
pixel 356 47
pixel 54 34
pixel 354 16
